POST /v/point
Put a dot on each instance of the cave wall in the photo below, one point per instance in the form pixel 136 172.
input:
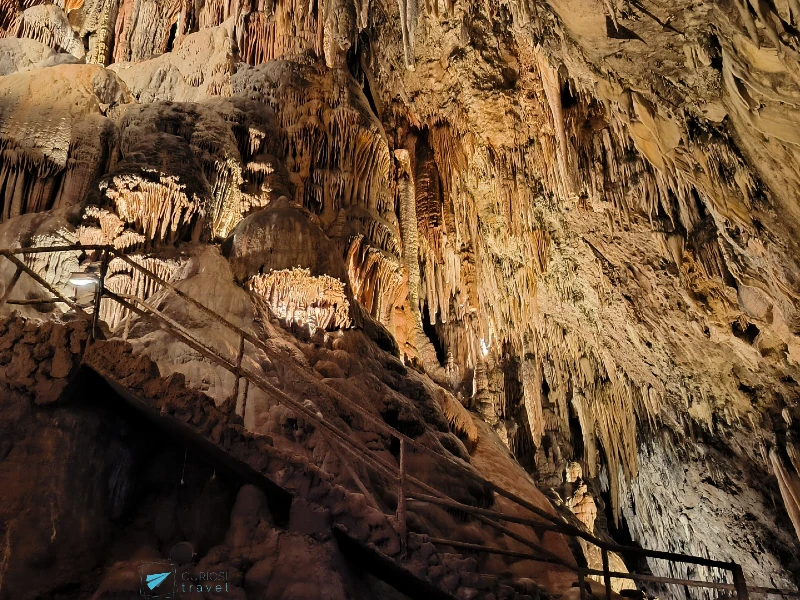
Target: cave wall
pixel 578 216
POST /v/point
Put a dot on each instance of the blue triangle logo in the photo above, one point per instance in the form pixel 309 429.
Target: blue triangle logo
pixel 156 579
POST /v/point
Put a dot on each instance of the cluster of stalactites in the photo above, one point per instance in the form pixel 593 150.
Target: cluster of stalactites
pixel 55 268
pixel 289 29
pixel 48 24
pixel 227 204
pixel 31 182
pixel 143 28
pixel 447 250
pixel 634 159
pixel 512 240
pixel 157 206
pixel 336 152
pixel 295 296
pixel 109 230
pixel 228 169
pixel 409 13
pixel 134 30
pixel 376 278
pixel 609 404
pixel 340 164
pixel 124 280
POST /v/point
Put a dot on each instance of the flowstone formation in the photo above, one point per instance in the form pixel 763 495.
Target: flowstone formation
pixel 575 220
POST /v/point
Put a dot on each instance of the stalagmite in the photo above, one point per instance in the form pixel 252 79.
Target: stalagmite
pixel 409 228
pixel 580 501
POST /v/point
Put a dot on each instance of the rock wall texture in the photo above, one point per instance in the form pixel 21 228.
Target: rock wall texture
pixel 577 218
pixel 113 513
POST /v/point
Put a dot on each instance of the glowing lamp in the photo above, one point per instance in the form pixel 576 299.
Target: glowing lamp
pixel 83 279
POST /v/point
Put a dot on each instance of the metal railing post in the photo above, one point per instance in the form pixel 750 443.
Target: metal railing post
pixel 238 374
pixel 582 584
pixel 739 582
pixel 244 396
pixel 10 286
pixel 98 294
pixel 401 499
pixel 606 574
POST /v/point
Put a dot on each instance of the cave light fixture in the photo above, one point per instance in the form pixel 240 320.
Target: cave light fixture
pixel 84 278
pixel 89 276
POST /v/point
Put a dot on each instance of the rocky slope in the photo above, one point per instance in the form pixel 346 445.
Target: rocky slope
pixel 579 218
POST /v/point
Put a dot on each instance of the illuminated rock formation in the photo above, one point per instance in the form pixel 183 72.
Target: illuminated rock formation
pixel 47 23
pixel 579 218
pixel 51 162
pixel 294 296
pixel 580 501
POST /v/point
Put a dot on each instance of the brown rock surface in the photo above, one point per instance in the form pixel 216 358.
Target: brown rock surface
pixel 579 218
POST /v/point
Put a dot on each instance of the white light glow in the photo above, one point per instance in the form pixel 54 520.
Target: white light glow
pixel 84 279
pixel 484 348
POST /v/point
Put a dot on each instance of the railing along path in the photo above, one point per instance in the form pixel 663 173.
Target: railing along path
pixel 343 443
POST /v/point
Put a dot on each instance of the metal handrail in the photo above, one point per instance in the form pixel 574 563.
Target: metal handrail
pixel 398 474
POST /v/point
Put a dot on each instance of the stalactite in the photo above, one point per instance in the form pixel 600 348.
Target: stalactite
pixel 532 397
pixel 295 296
pixel 408 25
pixel 339 30
pixel 793 450
pixel 429 198
pixel 124 280
pixel 48 24
pixel 790 489
pixel 157 206
pixel 552 89
pixel 376 278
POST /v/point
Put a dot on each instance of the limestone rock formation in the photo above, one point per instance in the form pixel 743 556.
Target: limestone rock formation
pixel 572 224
